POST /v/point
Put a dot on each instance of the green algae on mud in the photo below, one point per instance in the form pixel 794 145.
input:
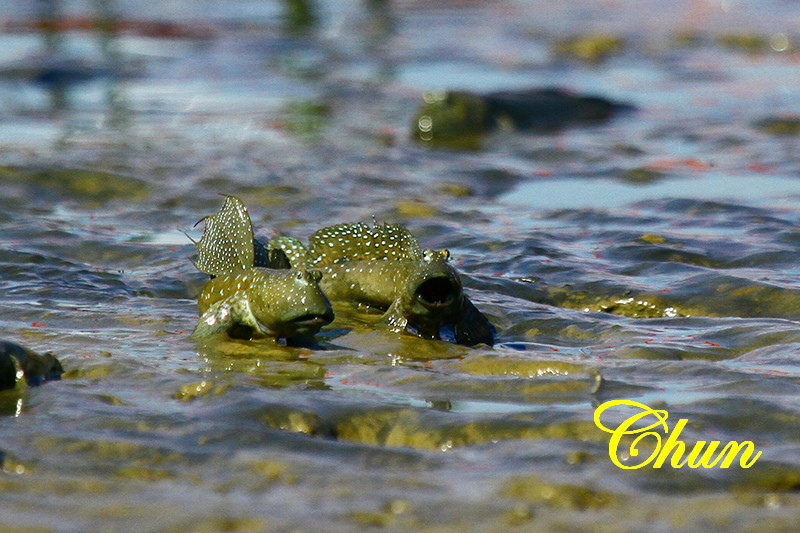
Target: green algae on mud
pixel 455 119
pixel 191 391
pixel 431 431
pixel 305 374
pixel 543 378
pixel 92 188
pixel 306 120
pixel 749 42
pixel 264 364
pixel 640 306
pixel 699 297
pixel 592 48
pixel 294 421
pixel 642 176
pixel 494 366
pixel 533 489
pixel 785 126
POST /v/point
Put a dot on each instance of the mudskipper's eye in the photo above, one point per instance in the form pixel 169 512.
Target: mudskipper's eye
pixel 316 275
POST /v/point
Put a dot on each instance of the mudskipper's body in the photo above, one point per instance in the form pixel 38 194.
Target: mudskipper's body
pixel 247 301
pixel 383 266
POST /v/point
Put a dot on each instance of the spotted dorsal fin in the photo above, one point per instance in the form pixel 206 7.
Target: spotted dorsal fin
pixel 351 242
pixel 227 243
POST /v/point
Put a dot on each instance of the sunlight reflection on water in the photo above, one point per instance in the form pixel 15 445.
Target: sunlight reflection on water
pixel 576 193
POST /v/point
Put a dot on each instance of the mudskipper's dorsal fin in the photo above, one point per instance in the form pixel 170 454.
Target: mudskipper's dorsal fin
pixel 227 243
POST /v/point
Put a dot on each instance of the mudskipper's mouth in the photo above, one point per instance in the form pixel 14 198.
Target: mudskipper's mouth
pixel 310 322
pixel 437 292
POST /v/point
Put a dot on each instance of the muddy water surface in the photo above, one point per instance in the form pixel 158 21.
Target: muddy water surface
pixel 654 258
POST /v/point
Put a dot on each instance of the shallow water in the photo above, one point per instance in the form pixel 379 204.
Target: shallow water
pixel 654 258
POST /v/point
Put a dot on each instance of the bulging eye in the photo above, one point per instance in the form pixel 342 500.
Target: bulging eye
pixel 299 274
pixel 316 275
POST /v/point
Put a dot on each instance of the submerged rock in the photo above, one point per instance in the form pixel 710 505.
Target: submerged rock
pixel 788 126
pixel 17 362
pixel 55 71
pixel 459 119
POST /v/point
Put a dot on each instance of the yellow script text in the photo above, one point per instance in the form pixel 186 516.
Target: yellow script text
pixel 702 454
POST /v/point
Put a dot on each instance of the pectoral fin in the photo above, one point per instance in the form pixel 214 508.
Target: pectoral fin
pixel 394 318
pixel 473 328
pixel 231 316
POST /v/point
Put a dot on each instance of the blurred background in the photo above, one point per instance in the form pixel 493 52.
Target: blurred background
pixel 616 181
pixel 80 78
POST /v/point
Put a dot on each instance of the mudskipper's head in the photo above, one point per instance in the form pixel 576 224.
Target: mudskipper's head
pixel 292 303
pixel 433 294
